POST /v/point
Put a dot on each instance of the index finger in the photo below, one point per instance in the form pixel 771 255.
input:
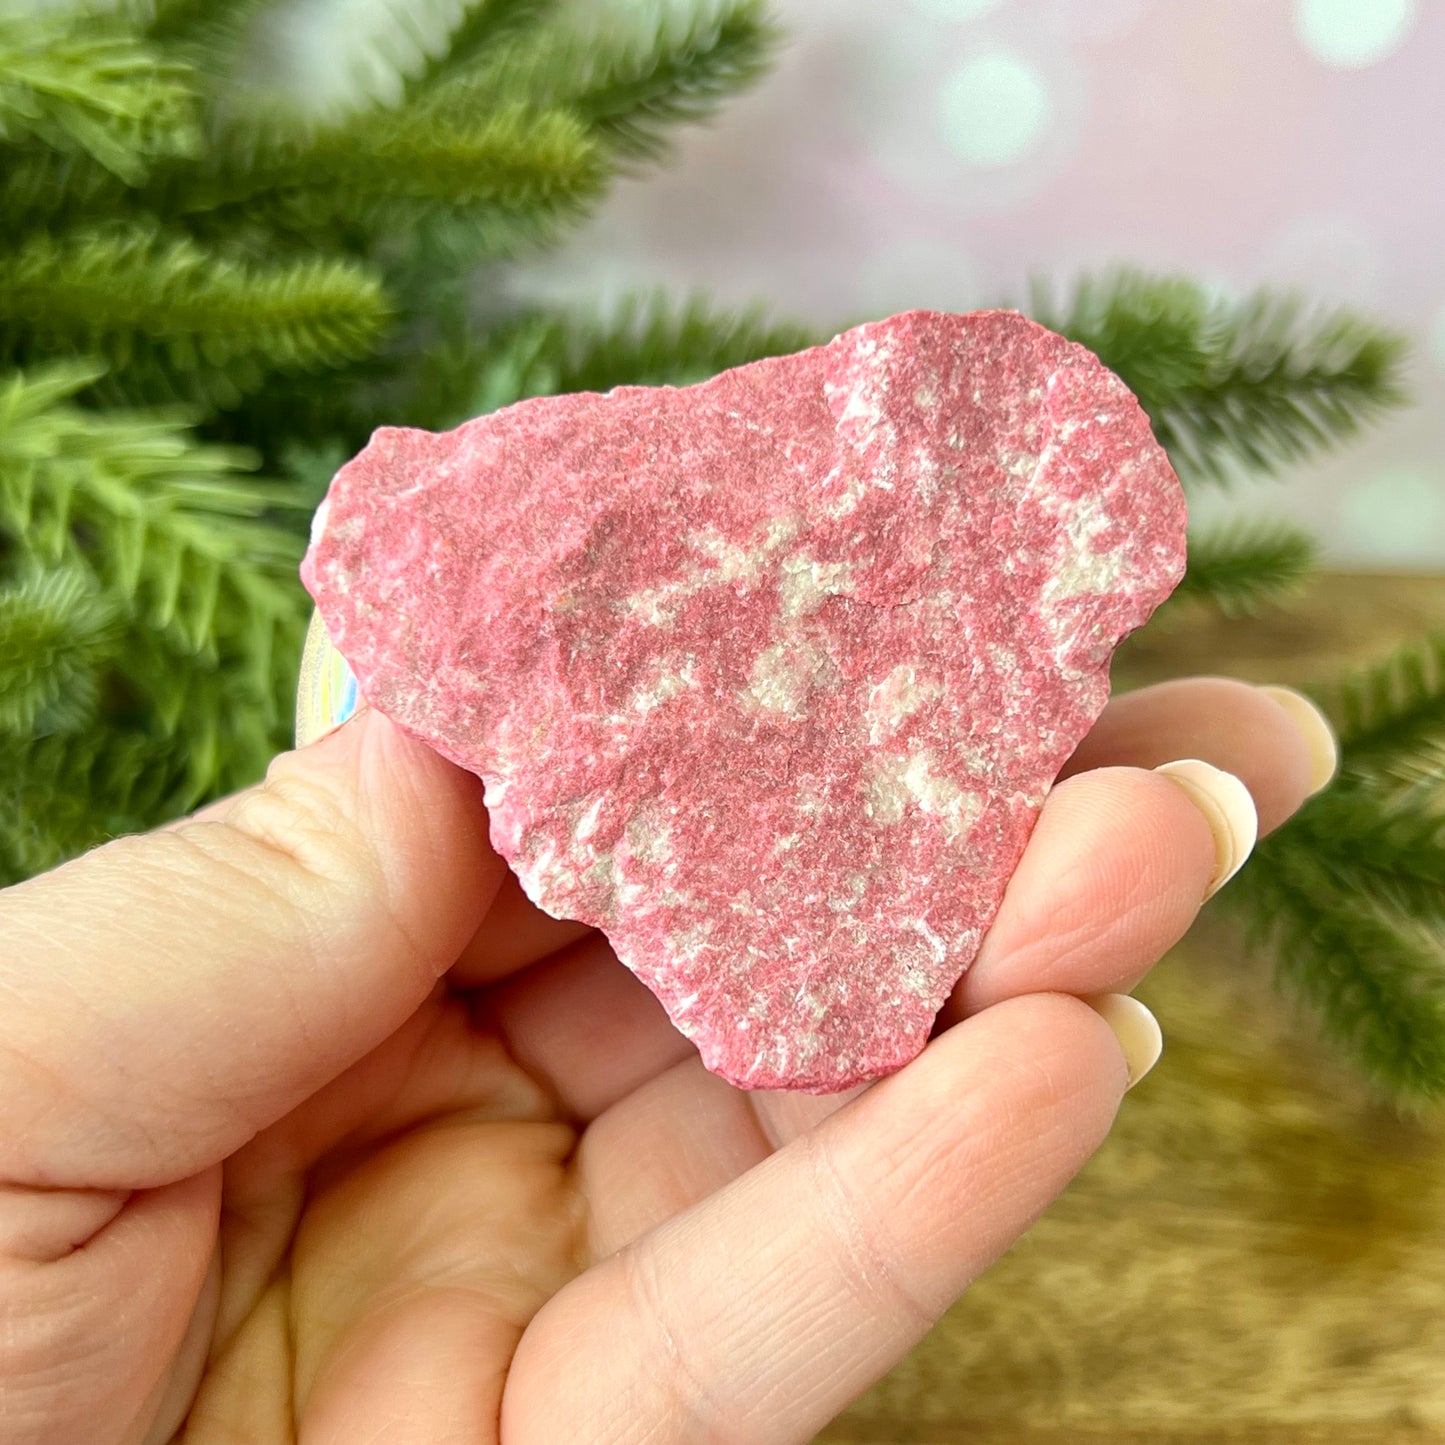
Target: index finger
pixel 169 995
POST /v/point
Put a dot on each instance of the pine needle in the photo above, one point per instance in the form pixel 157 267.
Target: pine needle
pixel 1244 567
pixel 384 172
pixel 647 341
pixel 1376 850
pixel 175 541
pixel 1374 978
pixel 62 793
pixel 483 25
pixel 1391 717
pixel 98 91
pixel 679 75
pixel 1283 384
pixel 56 629
pixel 211 34
pixel 1350 893
pixel 122 494
pixel 1258 385
pixel 631 83
pixel 51 189
pixel 176 320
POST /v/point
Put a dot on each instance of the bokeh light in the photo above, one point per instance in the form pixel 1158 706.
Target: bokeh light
pixel 1347 34
pixel 1399 513
pixel 994 109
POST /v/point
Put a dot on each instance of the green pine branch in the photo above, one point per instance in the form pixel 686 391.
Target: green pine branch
pixel 1373 976
pixel 56 630
pixel 1283 385
pixel 483 26
pixel 679 75
pixel 291 413
pixel 168 20
pixel 177 543
pixel 1350 893
pixel 175 319
pixel 148 599
pixel 630 84
pixel 1391 717
pixel 210 34
pixel 226 713
pixel 1375 849
pixel 506 173
pixel 61 793
pixel 167 525
pixel 89 87
pixel 1241 568
pixel 53 190
pixel 648 341
pixel 1257 385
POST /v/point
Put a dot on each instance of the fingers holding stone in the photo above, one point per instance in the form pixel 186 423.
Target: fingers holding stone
pixel 515 932
pixel 776 1300
pixel 585 1026
pixel 191 986
pixel 1159 806
pixel 1273 739
pixel 1116 870
pixel 1114 874
pixel 514 935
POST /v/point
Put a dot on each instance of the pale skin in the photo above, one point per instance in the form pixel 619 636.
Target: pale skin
pixel 312 1129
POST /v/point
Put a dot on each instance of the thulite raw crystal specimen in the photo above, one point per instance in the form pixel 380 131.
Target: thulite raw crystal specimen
pixel 768 677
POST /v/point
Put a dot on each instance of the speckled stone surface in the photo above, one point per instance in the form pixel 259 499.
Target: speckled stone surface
pixel 768 677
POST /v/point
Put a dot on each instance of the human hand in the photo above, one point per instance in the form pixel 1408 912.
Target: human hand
pixel 312 1128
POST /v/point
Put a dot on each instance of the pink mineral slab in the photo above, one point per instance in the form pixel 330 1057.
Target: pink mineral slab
pixel 767 678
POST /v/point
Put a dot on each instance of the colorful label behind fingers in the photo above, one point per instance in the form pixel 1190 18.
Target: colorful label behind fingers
pixel 326 694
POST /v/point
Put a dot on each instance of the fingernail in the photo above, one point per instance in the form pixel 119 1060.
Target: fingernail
pixel 1228 808
pixel 1314 728
pixel 326 695
pixel 1137 1030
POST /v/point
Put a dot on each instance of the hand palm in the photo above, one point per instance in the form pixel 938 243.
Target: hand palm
pixel 410 1220
pixel 511 1204
pixel 426 1197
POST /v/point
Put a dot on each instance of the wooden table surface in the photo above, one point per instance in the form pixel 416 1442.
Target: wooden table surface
pixel 1257 1256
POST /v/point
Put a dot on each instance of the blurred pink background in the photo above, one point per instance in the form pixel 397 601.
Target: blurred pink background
pixel 942 152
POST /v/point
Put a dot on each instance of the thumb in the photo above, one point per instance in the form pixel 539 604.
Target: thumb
pixel 169 995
